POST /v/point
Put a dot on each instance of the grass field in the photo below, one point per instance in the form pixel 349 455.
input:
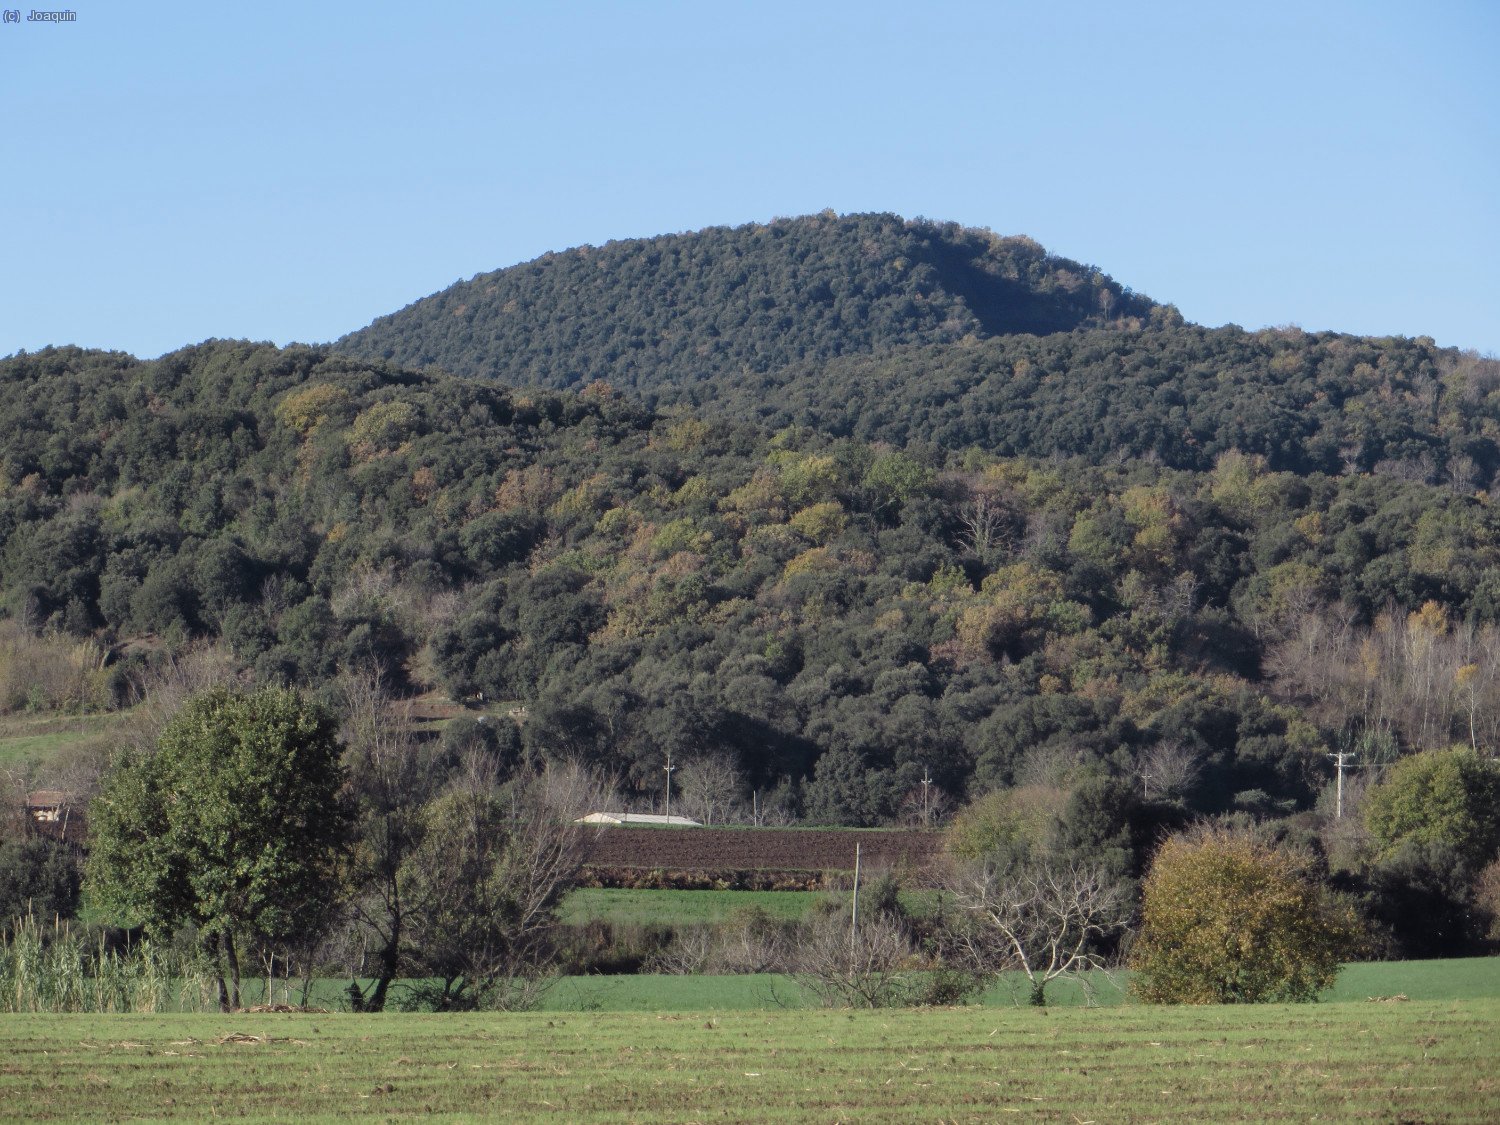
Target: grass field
pixel 1472 978
pixel 1427 1061
pixel 678 908
pixel 1462 979
pixel 31 740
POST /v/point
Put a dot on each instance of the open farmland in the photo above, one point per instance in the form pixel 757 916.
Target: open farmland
pixel 625 906
pixel 1431 1061
pixel 1465 978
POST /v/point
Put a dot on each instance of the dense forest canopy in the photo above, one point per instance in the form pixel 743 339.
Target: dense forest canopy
pixel 1179 394
pixel 833 615
pixel 659 313
pixel 907 332
pixel 857 519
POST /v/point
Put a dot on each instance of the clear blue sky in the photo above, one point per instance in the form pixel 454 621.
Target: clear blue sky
pixel 289 171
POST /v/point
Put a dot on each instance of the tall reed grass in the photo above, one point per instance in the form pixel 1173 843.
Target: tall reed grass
pixel 53 969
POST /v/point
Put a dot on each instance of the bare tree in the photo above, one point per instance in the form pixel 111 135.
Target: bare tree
pixel 985 523
pixel 1044 918
pixel 391 777
pixel 1462 474
pixel 709 787
pixel 1055 766
pixel 870 966
pixel 754 944
pixel 689 954
pixel 1350 454
pixel 771 809
pixel 485 884
pixel 925 804
pixel 162 691
pixel 1166 770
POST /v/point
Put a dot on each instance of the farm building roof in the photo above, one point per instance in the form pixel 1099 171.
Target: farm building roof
pixel 637 818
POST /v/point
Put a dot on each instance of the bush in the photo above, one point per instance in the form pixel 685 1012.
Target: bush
pixel 37 876
pixel 1227 918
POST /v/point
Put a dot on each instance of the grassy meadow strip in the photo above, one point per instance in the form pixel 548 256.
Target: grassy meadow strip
pixel 50 968
pixel 1428 1061
pixel 28 740
pixel 627 906
pixel 1459 979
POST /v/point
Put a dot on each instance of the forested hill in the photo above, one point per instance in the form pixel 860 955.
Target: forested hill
pixel 1178 393
pixel 650 314
pixel 830 617
pixel 875 327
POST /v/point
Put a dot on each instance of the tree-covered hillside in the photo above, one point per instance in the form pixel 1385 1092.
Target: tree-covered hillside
pixel 1180 394
pixel 873 327
pixel 651 314
pixel 828 616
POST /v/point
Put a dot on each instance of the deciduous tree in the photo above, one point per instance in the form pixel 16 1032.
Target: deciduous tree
pixel 1449 797
pixel 1041 915
pixel 234 824
pixel 1227 918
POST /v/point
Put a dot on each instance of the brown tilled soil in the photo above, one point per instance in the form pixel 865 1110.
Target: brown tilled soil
pixel 728 856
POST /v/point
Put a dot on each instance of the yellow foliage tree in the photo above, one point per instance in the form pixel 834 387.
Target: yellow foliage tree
pixel 1230 919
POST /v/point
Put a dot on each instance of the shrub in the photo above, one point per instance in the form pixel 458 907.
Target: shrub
pixel 1227 918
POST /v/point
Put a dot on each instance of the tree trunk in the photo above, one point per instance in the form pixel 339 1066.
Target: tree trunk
pixel 211 947
pixel 1038 994
pixel 390 963
pixel 234 969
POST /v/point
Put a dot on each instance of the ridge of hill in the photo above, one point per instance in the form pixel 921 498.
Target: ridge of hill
pixel 650 313
pixel 914 332
pixel 1177 393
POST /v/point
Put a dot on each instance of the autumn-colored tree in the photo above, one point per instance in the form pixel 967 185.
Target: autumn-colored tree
pixel 1227 918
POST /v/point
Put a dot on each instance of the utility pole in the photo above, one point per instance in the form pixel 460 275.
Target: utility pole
pixel 669 768
pixel 1340 761
pixel 854 910
pixel 926 809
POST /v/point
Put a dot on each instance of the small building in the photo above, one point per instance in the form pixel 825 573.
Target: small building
pixel 645 820
pixel 48 806
pixel 55 813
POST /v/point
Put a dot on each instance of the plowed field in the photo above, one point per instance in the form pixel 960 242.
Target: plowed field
pixel 764 849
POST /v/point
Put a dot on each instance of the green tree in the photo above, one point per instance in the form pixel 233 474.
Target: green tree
pixel 235 824
pixel 1008 821
pixel 1449 797
pixel 38 877
pixel 482 888
pixel 1227 918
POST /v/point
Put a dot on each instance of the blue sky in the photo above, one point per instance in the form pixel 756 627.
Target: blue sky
pixel 171 172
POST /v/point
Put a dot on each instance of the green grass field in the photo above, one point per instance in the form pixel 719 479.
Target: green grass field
pixel 685 908
pixel 28 740
pixel 1462 979
pixel 1472 978
pixel 676 908
pixel 1430 1061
